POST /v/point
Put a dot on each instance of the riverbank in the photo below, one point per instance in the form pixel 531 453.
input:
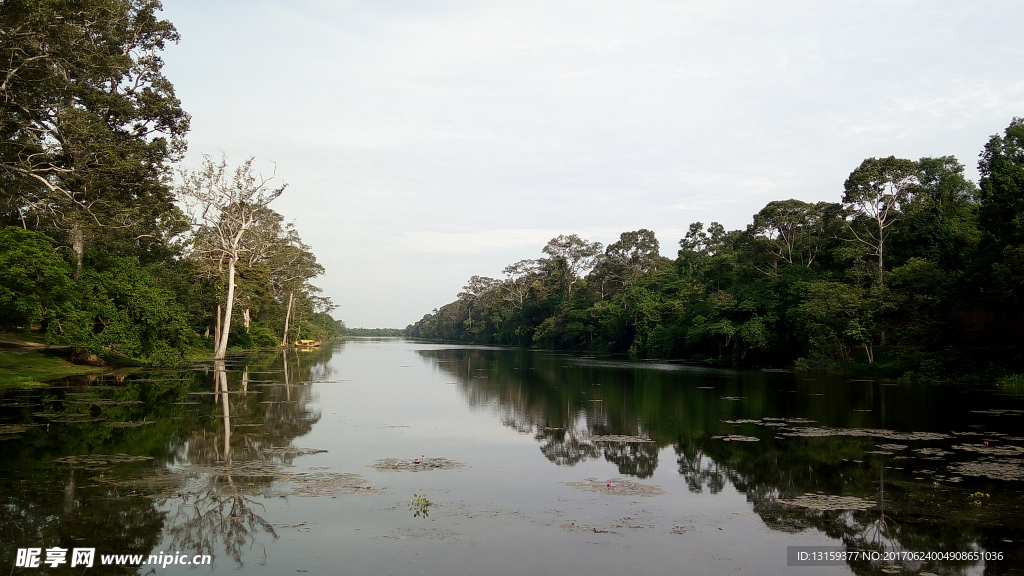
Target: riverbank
pixel 25 361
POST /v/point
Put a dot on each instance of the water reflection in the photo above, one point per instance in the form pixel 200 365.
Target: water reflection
pixel 204 444
pixel 572 406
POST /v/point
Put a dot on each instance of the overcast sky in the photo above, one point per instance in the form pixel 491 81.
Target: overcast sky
pixel 424 142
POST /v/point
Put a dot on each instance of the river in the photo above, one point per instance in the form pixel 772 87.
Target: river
pixel 387 456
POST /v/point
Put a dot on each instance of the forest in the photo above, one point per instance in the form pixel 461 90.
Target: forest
pixel 109 246
pixel 916 271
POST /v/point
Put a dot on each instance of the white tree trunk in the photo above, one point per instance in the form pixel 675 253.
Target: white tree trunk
pixel 222 348
pixel 287 318
pixel 216 332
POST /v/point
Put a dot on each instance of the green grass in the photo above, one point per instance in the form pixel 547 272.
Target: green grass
pixel 25 368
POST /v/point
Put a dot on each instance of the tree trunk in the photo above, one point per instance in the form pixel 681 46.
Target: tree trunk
pixel 216 332
pixel 246 319
pixel 287 318
pixel 78 247
pixel 222 348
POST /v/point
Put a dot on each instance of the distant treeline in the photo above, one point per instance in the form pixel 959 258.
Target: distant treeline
pixel 98 249
pixel 916 269
pixel 379 332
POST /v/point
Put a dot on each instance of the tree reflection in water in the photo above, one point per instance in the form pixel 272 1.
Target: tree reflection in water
pixel 568 405
pixel 217 508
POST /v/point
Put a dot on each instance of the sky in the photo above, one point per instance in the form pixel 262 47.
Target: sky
pixel 425 142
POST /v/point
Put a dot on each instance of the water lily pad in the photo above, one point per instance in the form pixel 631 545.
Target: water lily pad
pixel 290 450
pixel 736 438
pixel 617 487
pixel 618 439
pixel 416 464
pixel 1007 469
pixel 829 502
pixel 101 459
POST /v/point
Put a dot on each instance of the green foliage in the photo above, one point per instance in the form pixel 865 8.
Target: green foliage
pixel 917 269
pixel 119 306
pixel 35 282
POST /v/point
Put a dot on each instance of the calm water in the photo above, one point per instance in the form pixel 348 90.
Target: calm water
pixel 547 464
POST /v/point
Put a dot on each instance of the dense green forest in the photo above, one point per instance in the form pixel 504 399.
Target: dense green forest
pixel 915 271
pixel 101 247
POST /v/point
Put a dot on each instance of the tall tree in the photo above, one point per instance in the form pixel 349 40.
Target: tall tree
pixel 223 206
pixel 1002 206
pixel 793 231
pixel 876 192
pixel 574 255
pixel 90 125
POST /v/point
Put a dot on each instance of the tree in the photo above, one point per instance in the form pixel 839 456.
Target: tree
pixel 89 124
pixel 1002 205
pixel 35 281
pixel 635 254
pixel 223 206
pixel 516 286
pixel 793 231
pixel 574 255
pixel 877 192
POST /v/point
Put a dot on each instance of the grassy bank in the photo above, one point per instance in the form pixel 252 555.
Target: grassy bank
pixel 25 361
pixel 26 368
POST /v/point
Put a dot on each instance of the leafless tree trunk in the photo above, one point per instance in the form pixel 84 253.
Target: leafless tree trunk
pixel 222 347
pixel 287 318
pixel 216 332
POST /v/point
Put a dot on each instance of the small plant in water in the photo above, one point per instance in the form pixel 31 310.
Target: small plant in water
pixel 419 505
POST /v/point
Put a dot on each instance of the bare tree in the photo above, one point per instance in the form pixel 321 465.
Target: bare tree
pixel 223 205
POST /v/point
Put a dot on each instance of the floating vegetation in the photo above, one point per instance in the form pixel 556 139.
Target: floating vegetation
pixel 819 432
pixel 828 502
pixel 1000 412
pixel 736 438
pixel 1007 450
pixel 1008 469
pixel 332 484
pixel 619 439
pixel 574 527
pixel 62 415
pixel 882 452
pixel 617 487
pixel 101 402
pixel 101 459
pixel 416 464
pixel 248 468
pixel 938 453
pixel 775 422
pixel 10 429
pixel 682 529
pixel 154 484
pixel 289 450
pixel 130 424
pixel 892 446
